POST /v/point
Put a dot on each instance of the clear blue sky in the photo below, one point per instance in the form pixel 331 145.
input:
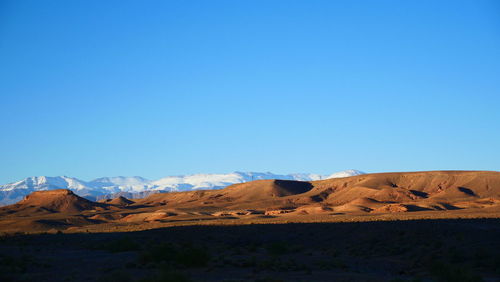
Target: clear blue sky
pixel 157 88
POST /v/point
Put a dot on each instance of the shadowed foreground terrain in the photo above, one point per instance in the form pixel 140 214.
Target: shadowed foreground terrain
pixel 420 250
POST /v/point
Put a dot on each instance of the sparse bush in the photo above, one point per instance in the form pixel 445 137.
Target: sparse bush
pixel 332 264
pixel 188 256
pixel 115 276
pixel 167 274
pixel 15 264
pixel 192 257
pixel 250 262
pixel 268 279
pixel 158 253
pixel 252 247
pixel 278 248
pixel 124 244
pixel 268 264
pixel 451 273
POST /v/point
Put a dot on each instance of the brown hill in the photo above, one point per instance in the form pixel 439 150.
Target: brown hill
pixel 405 195
pixel 417 190
pixel 60 200
pixel 265 189
pixel 119 201
pixel 256 192
pixel 416 185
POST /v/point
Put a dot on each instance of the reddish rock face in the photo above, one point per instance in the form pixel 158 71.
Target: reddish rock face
pixel 61 200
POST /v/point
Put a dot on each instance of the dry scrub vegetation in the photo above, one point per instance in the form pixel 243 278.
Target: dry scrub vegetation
pixel 423 250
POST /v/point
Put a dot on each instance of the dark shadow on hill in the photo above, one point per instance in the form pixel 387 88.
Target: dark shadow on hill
pixel 294 187
pixel 467 191
pixel 414 208
pixel 419 193
pixel 450 206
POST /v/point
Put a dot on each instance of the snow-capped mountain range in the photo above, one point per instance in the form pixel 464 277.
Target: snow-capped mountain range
pixel 139 187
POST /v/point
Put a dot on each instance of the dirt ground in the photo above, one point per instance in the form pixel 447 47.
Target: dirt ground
pixel 393 250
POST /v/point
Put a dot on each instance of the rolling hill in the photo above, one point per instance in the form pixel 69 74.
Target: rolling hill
pixel 139 187
pixel 380 196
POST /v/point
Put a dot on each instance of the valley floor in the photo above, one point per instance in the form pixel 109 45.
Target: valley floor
pixel 389 250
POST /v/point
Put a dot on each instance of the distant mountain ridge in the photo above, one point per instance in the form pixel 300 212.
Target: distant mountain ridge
pixel 138 187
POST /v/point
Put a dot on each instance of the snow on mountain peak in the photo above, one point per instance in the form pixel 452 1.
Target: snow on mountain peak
pixel 345 173
pixel 46 183
pixel 13 192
